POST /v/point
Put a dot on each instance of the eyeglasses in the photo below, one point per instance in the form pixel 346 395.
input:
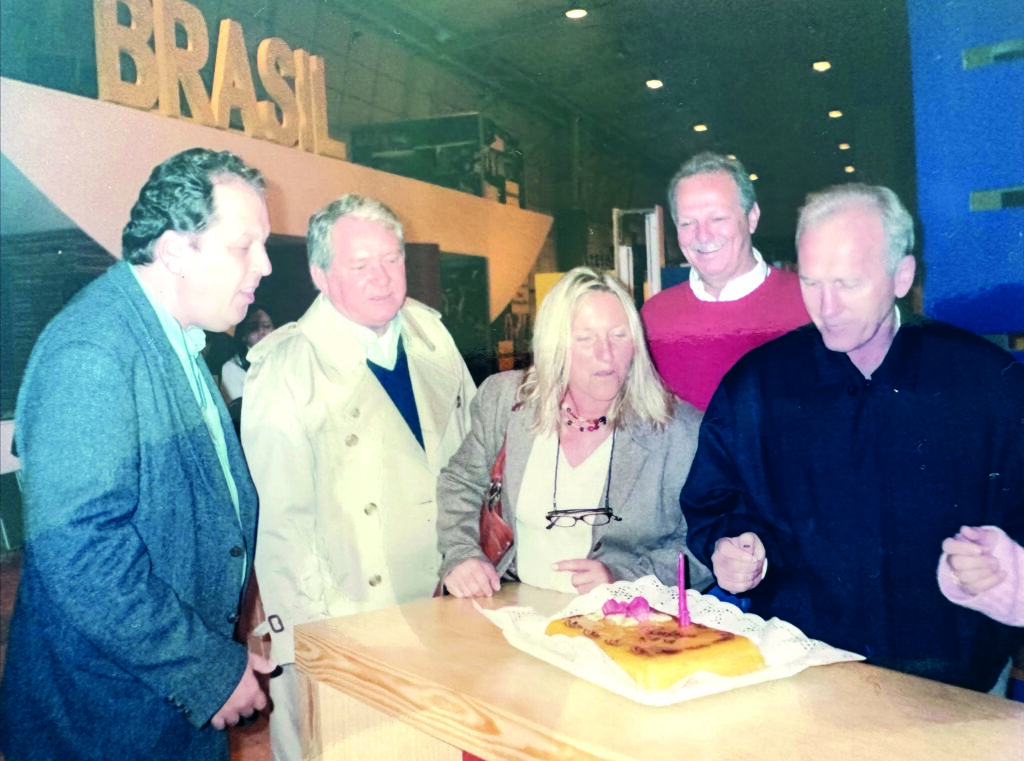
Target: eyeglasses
pixel 595 516
pixel 599 516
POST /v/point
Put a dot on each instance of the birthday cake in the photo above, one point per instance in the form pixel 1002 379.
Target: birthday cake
pixel 654 650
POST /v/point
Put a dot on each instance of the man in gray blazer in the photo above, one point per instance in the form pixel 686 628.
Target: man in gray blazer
pixel 140 516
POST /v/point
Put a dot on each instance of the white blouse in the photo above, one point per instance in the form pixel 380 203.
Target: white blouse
pixel 582 487
pixel 232 380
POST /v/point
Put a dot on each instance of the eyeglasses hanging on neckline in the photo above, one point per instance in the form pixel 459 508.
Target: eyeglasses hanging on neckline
pixel 594 516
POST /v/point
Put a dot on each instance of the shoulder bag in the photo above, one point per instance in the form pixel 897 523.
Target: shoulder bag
pixel 495 534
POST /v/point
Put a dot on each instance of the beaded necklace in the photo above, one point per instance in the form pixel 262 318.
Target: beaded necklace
pixel 584 424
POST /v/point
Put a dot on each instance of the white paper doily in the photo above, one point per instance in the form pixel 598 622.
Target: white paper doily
pixel 785 648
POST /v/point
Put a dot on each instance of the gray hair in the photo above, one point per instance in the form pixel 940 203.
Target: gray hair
pixel 896 220
pixel 642 398
pixel 708 163
pixel 318 236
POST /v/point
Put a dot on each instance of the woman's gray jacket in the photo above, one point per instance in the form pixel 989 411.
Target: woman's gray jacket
pixel 648 470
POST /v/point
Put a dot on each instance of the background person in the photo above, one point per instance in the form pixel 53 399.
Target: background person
pixel 350 413
pixel 835 460
pixel 592 433
pixel 733 300
pixel 140 517
pixel 256 326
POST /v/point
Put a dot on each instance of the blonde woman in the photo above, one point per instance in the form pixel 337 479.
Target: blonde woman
pixel 596 454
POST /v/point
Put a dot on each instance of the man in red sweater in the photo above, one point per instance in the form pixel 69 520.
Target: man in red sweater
pixel 733 301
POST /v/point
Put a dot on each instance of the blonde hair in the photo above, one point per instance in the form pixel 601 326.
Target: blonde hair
pixel 642 400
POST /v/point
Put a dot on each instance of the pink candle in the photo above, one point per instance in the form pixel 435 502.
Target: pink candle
pixel 684 609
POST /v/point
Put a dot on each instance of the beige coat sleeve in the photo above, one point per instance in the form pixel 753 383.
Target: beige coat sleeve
pixel 281 459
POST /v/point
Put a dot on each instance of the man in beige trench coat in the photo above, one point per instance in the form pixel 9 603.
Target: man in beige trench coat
pixel 349 415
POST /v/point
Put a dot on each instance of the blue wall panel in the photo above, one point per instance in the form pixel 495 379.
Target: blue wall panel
pixel 969 127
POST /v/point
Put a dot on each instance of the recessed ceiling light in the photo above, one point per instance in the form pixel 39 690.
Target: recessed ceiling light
pixel 575 13
pixel 821 65
pixel 700 128
pixel 753 177
pixel 849 169
pixel 844 146
pixel 835 114
pixel 654 84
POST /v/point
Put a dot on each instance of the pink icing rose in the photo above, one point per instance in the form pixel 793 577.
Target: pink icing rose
pixel 638 608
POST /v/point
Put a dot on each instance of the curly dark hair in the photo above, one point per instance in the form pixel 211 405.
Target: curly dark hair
pixel 179 196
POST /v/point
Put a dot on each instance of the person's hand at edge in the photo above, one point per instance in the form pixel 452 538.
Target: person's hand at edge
pixel 969 555
pixel 248 696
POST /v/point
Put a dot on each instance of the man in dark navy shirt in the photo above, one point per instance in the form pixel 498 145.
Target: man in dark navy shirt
pixel 834 461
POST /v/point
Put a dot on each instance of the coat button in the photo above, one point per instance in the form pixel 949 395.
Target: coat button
pixel 236 552
pixel 233 618
pixel 351 440
pixel 375 580
pixel 370 509
pixel 354 412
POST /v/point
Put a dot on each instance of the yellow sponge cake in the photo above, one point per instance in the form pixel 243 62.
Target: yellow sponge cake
pixel 656 652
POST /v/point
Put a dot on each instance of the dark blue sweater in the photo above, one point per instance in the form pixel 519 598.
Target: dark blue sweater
pixel 398 384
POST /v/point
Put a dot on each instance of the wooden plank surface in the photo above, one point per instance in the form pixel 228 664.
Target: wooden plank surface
pixel 440 667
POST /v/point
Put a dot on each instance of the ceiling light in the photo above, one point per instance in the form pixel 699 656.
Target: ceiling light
pixel 844 146
pixel 654 84
pixel 575 13
pixel 700 128
pixel 821 66
pixel 835 114
pixel 849 169
pixel 753 177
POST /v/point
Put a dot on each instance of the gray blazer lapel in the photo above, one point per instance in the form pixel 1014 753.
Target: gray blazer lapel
pixel 171 376
pixel 517 452
pixel 628 461
pixel 236 460
pixel 160 352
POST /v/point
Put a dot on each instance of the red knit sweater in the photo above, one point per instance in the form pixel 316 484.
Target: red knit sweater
pixel 694 343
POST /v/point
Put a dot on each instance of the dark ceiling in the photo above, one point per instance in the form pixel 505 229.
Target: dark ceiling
pixel 742 67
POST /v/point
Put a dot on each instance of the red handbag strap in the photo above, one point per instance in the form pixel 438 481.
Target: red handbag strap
pixel 498 468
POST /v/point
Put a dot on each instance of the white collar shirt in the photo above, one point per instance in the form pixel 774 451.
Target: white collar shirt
pixel 382 349
pixel 736 288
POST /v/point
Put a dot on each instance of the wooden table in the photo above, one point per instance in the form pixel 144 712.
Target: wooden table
pixel 421 680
